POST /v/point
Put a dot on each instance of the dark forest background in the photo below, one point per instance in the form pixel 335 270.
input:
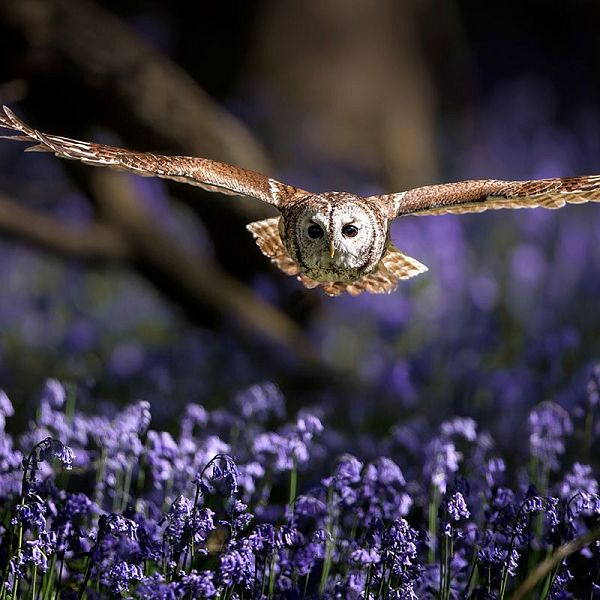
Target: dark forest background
pixel 353 95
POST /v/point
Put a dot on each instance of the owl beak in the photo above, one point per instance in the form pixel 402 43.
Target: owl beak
pixel 331 249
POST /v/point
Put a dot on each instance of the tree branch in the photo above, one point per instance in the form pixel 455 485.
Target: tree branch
pixel 97 243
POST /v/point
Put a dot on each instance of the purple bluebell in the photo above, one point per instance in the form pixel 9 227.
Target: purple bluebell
pixel 155 586
pixel 219 475
pixel 260 402
pixel 121 574
pixel 457 507
pixel 6 409
pixel 200 584
pixel 549 424
pixel 579 479
pixel 195 416
pixel 237 567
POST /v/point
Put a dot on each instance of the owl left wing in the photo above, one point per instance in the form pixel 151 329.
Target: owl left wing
pixel 479 195
pixel 208 174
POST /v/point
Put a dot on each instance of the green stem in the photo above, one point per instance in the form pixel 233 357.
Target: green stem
pixel 88 570
pixel 48 577
pixel 433 507
pixel 126 485
pixel 329 543
pixel 33 581
pixel 368 581
pixel 272 575
pixel 60 574
pixel 306 585
pixel 293 484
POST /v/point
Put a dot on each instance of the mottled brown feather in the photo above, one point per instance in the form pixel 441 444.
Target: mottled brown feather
pixel 268 239
pixel 201 172
pixel 477 196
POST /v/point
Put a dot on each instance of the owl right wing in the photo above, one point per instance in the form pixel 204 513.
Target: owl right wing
pixel 480 195
pixel 201 172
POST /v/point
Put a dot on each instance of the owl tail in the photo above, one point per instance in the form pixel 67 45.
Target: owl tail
pixel 393 266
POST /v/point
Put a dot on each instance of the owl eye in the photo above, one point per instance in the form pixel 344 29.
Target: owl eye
pixel 350 230
pixel 315 231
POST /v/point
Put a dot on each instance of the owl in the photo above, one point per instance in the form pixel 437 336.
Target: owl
pixel 337 241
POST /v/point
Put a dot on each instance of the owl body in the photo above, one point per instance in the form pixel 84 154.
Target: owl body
pixel 337 241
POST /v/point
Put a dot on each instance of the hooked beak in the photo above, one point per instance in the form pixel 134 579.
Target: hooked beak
pixel 331 249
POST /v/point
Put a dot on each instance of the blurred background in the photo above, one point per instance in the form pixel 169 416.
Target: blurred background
pixel 324 94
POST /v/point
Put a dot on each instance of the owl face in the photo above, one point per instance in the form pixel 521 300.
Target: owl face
pixel 334 236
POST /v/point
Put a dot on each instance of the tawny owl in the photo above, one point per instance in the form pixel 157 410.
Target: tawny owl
pixel 335 240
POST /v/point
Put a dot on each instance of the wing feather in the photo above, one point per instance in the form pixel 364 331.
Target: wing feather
pixel 479 195
pixel 201 172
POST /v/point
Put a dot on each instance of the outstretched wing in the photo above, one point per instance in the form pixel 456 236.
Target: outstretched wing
pixel 477 196
pixel 207 174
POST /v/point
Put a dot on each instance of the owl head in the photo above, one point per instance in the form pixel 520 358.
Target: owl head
pixel 334 236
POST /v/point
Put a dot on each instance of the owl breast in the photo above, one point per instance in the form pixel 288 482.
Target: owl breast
pixel 335 236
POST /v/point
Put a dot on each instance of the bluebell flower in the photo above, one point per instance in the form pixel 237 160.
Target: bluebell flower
pixel 55 448
pixel 31 513
pixel 136 417
pixel 593 387
pixel 156 587
pixel 177 520
pixel 117 524
pixel 43 451
pixel 366 556
pixel 578 479
pixel 222 478
pixel 461 426
pixel 260 402
pixel 381 493
pixel 236 567
pixel 161 454
pixel 249 476
pixel 307 426
pixel 493 471
pixel 200 584
pixel 6 409
pixel 239 517
pixel 309 506
pixel 53 394
pixel 308 556
pixel 549 424
pixel 457 507
pixel 443 460
pixel 275 450
pixel 265 538
pixel 195 416
pixel 120 575
pixel 558 589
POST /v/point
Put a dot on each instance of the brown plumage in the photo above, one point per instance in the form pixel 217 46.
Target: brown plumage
pixel 333 240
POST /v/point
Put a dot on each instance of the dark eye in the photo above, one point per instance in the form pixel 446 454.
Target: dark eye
pixel 315 231
pixel 349 230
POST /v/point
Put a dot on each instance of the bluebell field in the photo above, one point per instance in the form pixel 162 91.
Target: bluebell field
pixel 459 453
pixel 250 501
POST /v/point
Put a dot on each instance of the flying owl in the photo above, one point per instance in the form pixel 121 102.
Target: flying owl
pixel 334 240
